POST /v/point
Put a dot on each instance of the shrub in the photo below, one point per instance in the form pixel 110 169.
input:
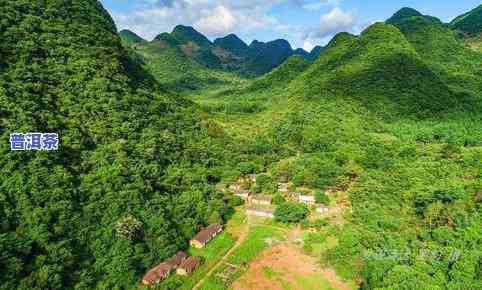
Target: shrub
pixel 321 197
pixel 290 212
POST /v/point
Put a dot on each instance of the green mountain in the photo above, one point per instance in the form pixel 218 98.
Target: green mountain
pixel 187 34
pixel 381 118
pixel 193 44
pixel 381 68
pixel 167 62
pixel 129 184
pixel 470 22
pixel 263 57
pixel 233 44
pixel 301 52
pixel 228 53
pixel 403 14
pixel 283 74
pixel 315 52
pixel 444 51
pixel 130 37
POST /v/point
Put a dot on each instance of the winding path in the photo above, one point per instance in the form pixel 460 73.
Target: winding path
pixel 241 238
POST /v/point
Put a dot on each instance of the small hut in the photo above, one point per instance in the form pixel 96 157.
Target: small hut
pixel 188 266
pixel 205 235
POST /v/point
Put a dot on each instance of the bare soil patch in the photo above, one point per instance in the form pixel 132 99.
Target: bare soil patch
pixel 285 266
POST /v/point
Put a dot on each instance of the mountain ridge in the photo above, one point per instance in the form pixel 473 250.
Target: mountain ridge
pixel 229 52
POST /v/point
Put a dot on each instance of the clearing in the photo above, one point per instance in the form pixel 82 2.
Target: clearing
pixel 285 266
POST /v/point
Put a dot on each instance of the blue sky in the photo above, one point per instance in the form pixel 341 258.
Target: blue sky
pixel 302 22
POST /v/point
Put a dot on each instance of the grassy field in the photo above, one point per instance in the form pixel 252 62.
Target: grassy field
pixel 211 254
pixel 254 244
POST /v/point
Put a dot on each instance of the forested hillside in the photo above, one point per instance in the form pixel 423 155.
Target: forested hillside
pixel 393 118
pixel 470 22
pixel 133 178
pixel 187 54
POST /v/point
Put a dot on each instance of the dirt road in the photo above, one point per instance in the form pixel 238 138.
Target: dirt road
pixel 241 238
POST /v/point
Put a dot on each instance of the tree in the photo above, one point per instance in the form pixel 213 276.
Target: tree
pixel 279 199
pixel 129 227
pixel 321 197
pixel 290 212
pixel 235 201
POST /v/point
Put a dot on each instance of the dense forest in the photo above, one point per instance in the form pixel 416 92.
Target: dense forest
pixel 133 178
pixel 147 129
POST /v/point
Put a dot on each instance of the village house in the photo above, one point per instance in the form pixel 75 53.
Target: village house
pixel 162 271
pixel 156 274
pixel 243 194
pixel 205 235
pixel 235 186
pixel 306 199
pixel 176 260
pixel 261 199
pixel 322 208
pixel 252 177
pixel 283 187
pixel 260 212
pixel 188 266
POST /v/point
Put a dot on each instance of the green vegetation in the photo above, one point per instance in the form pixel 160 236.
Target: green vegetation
pixel 210 254
pixel 392 117
pixel 134 177
pixel 290 212
pixel 470 22
pixel 320 197
pixel 130 37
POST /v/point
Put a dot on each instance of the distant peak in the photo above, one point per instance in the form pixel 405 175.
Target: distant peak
pixel 283 43
pixel 316 48
pixel 403 14
pixel 339 38
pixel 128 35
pixel 408 11
pixel 232 43
pixel 470 22
pixel 186 34
pixel 255 42
pixel 301 50
pixel 183 27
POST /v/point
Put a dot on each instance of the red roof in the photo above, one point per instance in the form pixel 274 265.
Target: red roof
pixel 189 264
pixel 208 233
pixel 176 260
pixel 157 273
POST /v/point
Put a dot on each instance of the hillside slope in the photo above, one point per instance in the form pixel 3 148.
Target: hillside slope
pixel 443 50
pixel 470 22
pixel 127 186
pixel 381 124
pixel 380 69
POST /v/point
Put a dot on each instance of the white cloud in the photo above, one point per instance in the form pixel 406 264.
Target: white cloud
pixel 219 21
pixel 335 21
pixel 314 6
pixel 211 17
pixel 308 45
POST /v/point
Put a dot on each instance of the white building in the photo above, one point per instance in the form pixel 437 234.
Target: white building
pixel 283 187
pixel 322 208
pixel 306 199
pixel 261 199
pixel 243 194
pixel 260 212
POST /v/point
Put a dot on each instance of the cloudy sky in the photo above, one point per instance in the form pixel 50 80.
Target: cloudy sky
pixel 302 22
